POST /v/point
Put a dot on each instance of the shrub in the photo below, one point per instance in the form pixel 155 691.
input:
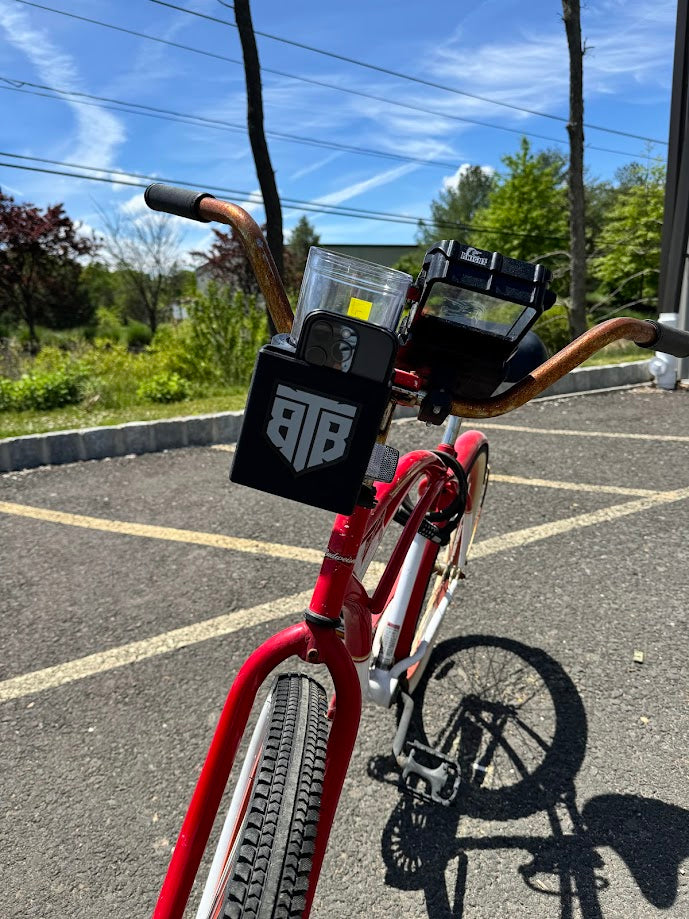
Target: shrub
pixel 175 351
pixel 553 328
pixel 108 325
pixel 136 336
pixel 6 394
pixel 164 387
pixel 227 330
pixel 42 391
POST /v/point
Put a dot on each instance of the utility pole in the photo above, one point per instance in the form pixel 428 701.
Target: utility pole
pixel 673 293
pixel 257 137
pixel 571 15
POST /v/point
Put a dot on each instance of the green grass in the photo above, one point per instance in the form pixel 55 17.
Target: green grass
pixel 15 424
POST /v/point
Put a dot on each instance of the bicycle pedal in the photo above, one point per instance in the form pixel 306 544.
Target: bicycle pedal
pixel 442 776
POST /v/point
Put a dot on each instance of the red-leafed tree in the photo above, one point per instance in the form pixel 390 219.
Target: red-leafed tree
pixel 227 263
pixel 39 271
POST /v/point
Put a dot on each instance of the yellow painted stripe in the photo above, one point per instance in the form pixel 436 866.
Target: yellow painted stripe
pixel 214 540
pixel 619 435
pixel 227 448
pixel 137 651
pixel 62 674
pixel 557 527
pixel 572 486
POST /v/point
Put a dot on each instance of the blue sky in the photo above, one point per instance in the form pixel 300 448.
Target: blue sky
pixel 504 50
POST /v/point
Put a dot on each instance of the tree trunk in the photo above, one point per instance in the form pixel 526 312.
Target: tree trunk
pixel 259 146
pixel 575 129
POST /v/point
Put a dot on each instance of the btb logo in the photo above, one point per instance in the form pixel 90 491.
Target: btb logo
pixel 310 431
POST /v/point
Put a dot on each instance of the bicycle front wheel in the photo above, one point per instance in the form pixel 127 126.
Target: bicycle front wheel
pixel 269 852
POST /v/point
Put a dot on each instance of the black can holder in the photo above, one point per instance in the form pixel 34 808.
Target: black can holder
pixel 308 431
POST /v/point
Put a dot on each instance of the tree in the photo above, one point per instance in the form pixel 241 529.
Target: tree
pixel 39 267
pixel 146 250
pixel 629 242
pixel 227 263
pixel 302 237
pixel 526 216
pixel 454 208
pixel 575 178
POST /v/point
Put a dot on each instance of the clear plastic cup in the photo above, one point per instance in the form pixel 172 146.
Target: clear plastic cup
pixel 351 287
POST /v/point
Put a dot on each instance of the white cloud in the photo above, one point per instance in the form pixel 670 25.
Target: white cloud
pixel 532 70
pixel 358 188
pixel 453 180
pixel 99 132
pixel 314 167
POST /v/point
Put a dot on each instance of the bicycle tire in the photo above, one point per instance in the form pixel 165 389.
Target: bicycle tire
pixel 446 564
pixel 268 864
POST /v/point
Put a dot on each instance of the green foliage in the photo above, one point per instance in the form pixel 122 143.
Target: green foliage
pixel 136 335
pixel 630 236
pixel 164 387
pixel 457 204
pixel 41 390
pixel 302 237
pixel 173 348
pixel 527 211
pixel 553 328
pixel 113 374
pixel 227 330
pixel 7 394
pixel 411 262
pixel 108 325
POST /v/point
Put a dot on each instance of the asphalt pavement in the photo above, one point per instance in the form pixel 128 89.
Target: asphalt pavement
pixel 133 588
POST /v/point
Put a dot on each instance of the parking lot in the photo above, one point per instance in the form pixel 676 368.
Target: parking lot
pixel 133 588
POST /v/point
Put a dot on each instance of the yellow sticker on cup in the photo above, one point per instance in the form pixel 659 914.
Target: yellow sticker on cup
pixel 359 309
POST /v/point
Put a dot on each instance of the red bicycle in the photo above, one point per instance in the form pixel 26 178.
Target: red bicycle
pixel 464 319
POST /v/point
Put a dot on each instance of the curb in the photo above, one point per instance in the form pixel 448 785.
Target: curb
pixel 136 437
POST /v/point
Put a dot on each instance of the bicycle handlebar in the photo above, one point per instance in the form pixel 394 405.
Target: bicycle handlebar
pixel 645 333
pixel 204 207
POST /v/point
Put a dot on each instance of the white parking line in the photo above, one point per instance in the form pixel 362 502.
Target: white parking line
pixel 70 671
pixel 572 486
pixel 619 435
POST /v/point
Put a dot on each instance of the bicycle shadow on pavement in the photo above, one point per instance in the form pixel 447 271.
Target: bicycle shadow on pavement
pixel 515 724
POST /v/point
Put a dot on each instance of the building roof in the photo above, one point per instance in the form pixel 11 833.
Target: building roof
pixel 387 255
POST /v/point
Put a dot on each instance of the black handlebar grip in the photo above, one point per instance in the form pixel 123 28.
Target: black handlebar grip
pixel 179 201
pixel 670 341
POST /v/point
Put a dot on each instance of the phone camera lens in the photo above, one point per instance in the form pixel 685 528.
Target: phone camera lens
pixel 321 332
pixel 316 355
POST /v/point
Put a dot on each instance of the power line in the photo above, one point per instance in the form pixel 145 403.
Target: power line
pixel 185 118
pixel 404 76
pixel 313 82
pixel 137 108
pixel 296 203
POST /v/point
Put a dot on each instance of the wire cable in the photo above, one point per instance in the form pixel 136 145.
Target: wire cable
pixel 255 198
pixel 186 118
pixel 405 76
pixel 137 108
pixel 313 82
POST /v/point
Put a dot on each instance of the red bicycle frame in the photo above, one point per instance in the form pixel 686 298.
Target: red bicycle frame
pixel 339 590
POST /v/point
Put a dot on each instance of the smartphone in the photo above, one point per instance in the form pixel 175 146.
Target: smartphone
pixel 349 345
